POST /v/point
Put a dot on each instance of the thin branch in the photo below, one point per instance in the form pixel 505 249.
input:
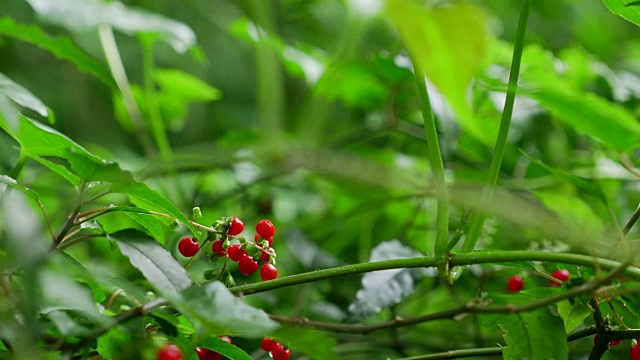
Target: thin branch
pixel 70 220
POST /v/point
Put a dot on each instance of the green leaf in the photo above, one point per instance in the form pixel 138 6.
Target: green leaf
pixel 573 315
pixel 575 214
pixel 110 345
pixel 313 343
pixel 626 9
pixel 150 223
pixel 224 348
pixel 4 179
pixel 95 13
pixel 154 201
pixel 448 45
pixel 154 262
pixel 381 289
pixel 63 48
pixel 11 94
pixel 187 86
pixel 218 311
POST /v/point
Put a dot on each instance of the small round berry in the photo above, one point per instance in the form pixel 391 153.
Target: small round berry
pixel 268 272
pixel 247 265
pixel 515 283
pixel 170 352
pixel 280 353
pixel 265 228
pixel 614 342
pixel 635 352
pixel 216 247
pixel 264 256
pixel 236 226
pixel 206 354
pixel 256 238
pixel 188 247
pixel 268 344
pixel 562 275
pixel 236 252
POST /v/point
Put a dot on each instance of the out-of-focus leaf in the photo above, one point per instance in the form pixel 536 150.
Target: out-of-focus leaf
pixel 218 311
pixel 85 15
pixel 4 179
pixel 154 262
pixel 153 201
pixel 381 289
pixel 624 8
pixel 224 348
pixel 110 345
pixel 313 343
pixel 573 315
pixel 355 85
pixel 186 85
pixel 12 93
pixel 574 213
pixel 621 309
pixel 448 45
pixel 62 48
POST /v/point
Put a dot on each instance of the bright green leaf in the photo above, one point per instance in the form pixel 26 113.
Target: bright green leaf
pixel 448 45
pixel 154 262
pixel 222 347
pixel 199 303
pixel 4 179
pixel 110 345
pixel 62 48
pixel 187 86
pixel 150 223
pixel 573 315
pixel 625 8
pixel 127 20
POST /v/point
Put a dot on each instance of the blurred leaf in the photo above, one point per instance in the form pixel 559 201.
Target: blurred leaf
pixel 62 48
pixel 87 15
pixel 187 86
pixel 213 307
pixel 10 93
pixel 162 271
pixel 573 315
pixel 624 8
pixel 381 289
pixel 355 85
pixel 448 45
pixel 313 343
pixel 4 179
pixel 574 213
pixel 620 309
pixel 153 201
pixel 224 348
pixel 110 345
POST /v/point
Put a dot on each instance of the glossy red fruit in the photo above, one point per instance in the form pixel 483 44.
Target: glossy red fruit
pixel 635 352
pixel 562 275
pixel 265 228
pixel 236 252
pixel 268 344
pixel 268 272
pixel 247 265
pixel 188 247
pixel 515 283
pixel 216 247
pixel 280 353
pixel 611 343
pixel 169 352
pixel 264 256
pixel 236 226
pixel 206 354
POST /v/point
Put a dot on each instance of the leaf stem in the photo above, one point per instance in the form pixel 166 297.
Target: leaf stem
pixel 437 166
pixel 477 218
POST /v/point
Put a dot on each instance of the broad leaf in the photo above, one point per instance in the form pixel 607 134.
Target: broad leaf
pixel 62 48
pixel 185 85
pixel 150 224
pixel 4 179
pixel 313 343
pixel 448 45
pixel 574 314
pixel 11 94
pixel 627 9
pixel 381 289
pixel 86 15
pixel 224 348
pixel 217 311
pixel 154 262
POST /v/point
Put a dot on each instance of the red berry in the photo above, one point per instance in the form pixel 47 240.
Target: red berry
pixel 216 247
pixel 170 352
pixel 270 240
pixel 206 354
pixel 236 226
pixel 268 344
pixel 188 247
pixel 635 352
pixel 515 283
pixel 236 252
pixel 279 352
pixel 614 342
pixel 562 275
pixel 247 265
pixel 256 238
pixel 265 228
pixel 264 256
pixel 268 272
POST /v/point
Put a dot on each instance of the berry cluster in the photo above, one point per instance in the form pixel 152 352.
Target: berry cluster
pixel 516 283
pixel 227 230
pixel 275 349
pixel 171 352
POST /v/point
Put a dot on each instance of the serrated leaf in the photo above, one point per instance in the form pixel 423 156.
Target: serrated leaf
pixel 152 201
pixel 62 48
pixel 381 289
pixel 162 271
pixel 313 343
pixel 218 311
pixel 573 315
pixel 86 15
pixel 225 349
pixel 534 335
pixel 448 44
